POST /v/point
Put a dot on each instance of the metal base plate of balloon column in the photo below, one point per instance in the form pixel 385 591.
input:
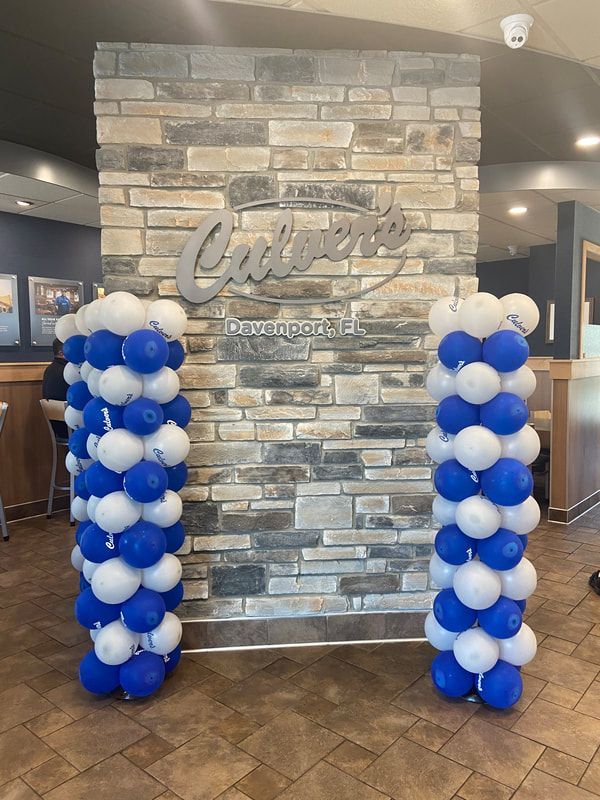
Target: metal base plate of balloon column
pixel 473 697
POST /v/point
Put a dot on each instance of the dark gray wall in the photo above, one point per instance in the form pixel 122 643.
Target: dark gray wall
pixel 32 246
pixel 503 277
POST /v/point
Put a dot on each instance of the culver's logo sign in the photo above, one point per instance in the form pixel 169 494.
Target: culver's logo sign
pixel 210 244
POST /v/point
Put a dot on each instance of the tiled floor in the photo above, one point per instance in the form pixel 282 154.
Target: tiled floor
pixel 313 723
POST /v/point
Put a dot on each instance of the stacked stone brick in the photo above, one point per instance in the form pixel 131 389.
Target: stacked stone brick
pixel 309 486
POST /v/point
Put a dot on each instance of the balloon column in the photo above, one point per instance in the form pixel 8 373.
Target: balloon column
pixel 483 448
pixel 127 454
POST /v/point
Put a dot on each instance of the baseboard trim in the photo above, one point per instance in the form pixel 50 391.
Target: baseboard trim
pixel 566 516
pixel 35 508
pixel 263 632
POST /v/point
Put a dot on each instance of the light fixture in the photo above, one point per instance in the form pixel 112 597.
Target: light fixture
pixel 517 211
pixel 24 203
pixel 592 140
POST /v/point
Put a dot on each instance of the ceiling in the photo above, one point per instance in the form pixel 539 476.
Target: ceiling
pixel 48 200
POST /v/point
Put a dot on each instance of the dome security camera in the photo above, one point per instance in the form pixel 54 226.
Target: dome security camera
pixel 516 29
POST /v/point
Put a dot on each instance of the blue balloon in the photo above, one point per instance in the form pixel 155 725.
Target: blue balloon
pixel 522 605
pixel 451 613
pixel 457 349
pixel 145 351
pixel 501 551
pixel 80 487
pixel 176 354
pixel 449 677
pixel 143 416
pixel 74 349
pixel 178 411
pixel 78 395
pixel 175 536
pixel 142 545
pixel 78 443
pixel 504 414
pixel 507 482
pixel 98 545
pixel 97 677
pixel 82 526
pixel 142 674
pixel 501 686
pixel 524 540
pixel 93 613
pixel 505 350
pixel 455 482
pixel 146 481
pixel 143 611
pixel 453 546
pixel 101 481
pixel 83 583
pixel 453 414
pixel 99 417
pixel 502 620
pixel 177 476
pixel 173 597
pixel 172 659
pixel 103 349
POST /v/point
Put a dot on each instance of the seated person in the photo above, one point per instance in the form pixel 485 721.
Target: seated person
pixel 54 386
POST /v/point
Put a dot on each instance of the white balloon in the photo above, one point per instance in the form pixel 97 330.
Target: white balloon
pixel 475 650
pixel 478 517
pixel 88 569
pixel 439 445
pixel 522 518
pixel 165 511
pixel 71 373
pixel 122 313
pixel 92 315
pixel 119 449
pixel 476 447
pixel 77 558
pixel 476 585
pixel 164 575
pixel 477 383
pixel 76 465
pixel 524 445
pixel 116 512
pixel 165 637
pixel 93 382
pixel 520 313
pixel 480 314
pixel 162 386
pixel 92 505
pixel 73 418
pixel 521 382
pixel 92 446
pixel 85 370
pixel 167 318
pixel 519 582
pixel 115 644
pixel 80 320
pixel 79 509
pixel 437 636
pixel 519 649
pixel 120 385
pixel 442 573
pixel 114 581
pixel 94 633
pixel 443 315
pixel 444 510
pixel 168 446
pixel 441 382
pixel 65 327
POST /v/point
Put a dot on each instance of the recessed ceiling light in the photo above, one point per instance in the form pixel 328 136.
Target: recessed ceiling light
pixel 24 203
pixel 588 141
pixel 516 211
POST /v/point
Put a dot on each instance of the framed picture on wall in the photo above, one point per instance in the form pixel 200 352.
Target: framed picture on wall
pixel 98 291
pixel 50 299
pixel 550 322
pixel 10 331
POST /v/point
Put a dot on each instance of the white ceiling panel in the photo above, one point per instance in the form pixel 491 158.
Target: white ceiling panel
pixel 80 210
pixel 30 189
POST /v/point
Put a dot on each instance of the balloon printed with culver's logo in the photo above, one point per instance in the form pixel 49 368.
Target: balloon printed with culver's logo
pixel 128 350
pixel 482 446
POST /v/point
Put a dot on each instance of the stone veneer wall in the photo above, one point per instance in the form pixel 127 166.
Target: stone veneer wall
pixel 309 486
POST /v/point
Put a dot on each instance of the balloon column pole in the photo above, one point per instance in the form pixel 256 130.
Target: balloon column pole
pixel 483 447
pixel 127 455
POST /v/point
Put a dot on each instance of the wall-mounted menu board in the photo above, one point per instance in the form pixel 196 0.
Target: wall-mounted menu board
pixel 10 332
pixel 49 299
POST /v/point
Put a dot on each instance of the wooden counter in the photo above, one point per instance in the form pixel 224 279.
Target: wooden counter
pixel 25 449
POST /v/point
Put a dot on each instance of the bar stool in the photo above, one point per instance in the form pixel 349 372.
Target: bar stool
pixel 3 410
pixel 54 411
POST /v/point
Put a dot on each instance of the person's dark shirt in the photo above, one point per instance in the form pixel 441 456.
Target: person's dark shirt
pixel 54 387
pixel 63 305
